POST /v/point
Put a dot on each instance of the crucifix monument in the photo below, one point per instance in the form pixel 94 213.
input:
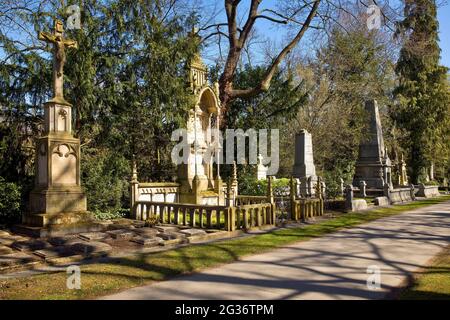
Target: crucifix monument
pixel 57 201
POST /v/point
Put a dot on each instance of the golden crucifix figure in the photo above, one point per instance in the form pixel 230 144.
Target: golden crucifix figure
pixel 59 57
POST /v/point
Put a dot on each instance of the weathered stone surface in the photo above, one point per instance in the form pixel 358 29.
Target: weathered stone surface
pixel 358 205
pixel 381 201
pixel 193 232
pixel 169 235
pixel 428 191
pixel 166 228
pixel 147 241
pixel 59 241
pixel 121 234
pixel 31 245
pixel 93 236
pixel 149 232
pixel 172 242
pixel 93 247
pixel 4 233
pixel 54 252
pixel 17 259
pixel 5 250
pixel 8 240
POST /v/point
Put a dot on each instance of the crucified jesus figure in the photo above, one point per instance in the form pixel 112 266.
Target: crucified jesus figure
pixel 59 57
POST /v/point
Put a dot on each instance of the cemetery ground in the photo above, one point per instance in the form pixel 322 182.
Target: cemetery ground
pixel 112 275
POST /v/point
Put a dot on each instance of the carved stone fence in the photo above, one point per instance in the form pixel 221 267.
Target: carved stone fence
pixel 245 200
pixel 205 216
pixel 306 208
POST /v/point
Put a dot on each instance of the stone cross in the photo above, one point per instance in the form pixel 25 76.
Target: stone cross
pixel 59 57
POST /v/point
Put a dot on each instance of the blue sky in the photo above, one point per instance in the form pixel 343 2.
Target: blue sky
pixel 444 26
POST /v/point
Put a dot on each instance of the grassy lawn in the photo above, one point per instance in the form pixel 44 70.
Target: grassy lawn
pixel 433 282
pixel 103 278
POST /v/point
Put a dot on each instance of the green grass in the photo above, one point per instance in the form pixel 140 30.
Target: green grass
pixel 433 283
pixel 102 278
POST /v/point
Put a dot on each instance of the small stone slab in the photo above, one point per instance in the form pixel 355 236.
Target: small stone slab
pixel 193 232
pixel 147 241
pixel 31 245
pixel 59 241
pixel 145 231
pixel 165 229
pixel 121 234
pixel 53 252
pixel 16 259
pixel 89 248
pixel 5 250
pixel 171 235
pixel 93 236
pixel 138 223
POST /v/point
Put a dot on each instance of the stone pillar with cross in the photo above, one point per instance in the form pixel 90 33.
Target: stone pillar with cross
pixel 57 203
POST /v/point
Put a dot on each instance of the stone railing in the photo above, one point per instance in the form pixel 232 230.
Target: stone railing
pixel 252 215
pixel 204 216
pixel 245 200
pixel 200 216
pixel 154 191
pixel 302 209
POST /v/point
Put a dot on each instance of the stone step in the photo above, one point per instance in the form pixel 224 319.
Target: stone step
pixel 164 229
pixel 121 234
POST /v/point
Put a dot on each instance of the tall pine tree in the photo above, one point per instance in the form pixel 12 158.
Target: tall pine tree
pixel 421 93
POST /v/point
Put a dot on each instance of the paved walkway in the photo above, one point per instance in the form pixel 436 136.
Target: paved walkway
pixel 331 267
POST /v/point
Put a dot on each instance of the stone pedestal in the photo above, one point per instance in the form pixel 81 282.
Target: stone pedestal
pixel 57 200
pixel 304 168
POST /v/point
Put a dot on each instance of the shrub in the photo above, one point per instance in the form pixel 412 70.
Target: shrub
pixel 10 200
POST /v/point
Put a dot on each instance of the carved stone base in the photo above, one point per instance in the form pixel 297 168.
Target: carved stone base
pixel 58 200
pixel 57 230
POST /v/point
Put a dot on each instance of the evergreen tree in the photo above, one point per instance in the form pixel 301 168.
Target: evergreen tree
pixel 422 109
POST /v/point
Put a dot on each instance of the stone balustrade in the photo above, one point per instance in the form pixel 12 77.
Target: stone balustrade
pixel 302 209
pixel 205 216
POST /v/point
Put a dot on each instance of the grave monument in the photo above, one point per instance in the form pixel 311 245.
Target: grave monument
pixel 57 203
pixel 304 168
pixel 373 165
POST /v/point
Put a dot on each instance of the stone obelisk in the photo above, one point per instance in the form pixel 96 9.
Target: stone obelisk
pixel 373 165
pixel 57 201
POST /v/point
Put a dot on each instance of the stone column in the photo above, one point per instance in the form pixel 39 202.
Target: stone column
pixel 362 188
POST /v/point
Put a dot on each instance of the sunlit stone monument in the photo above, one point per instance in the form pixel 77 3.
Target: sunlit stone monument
pixel 304 168
pixel 200 181
pixel 373 165
pixel 57 201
